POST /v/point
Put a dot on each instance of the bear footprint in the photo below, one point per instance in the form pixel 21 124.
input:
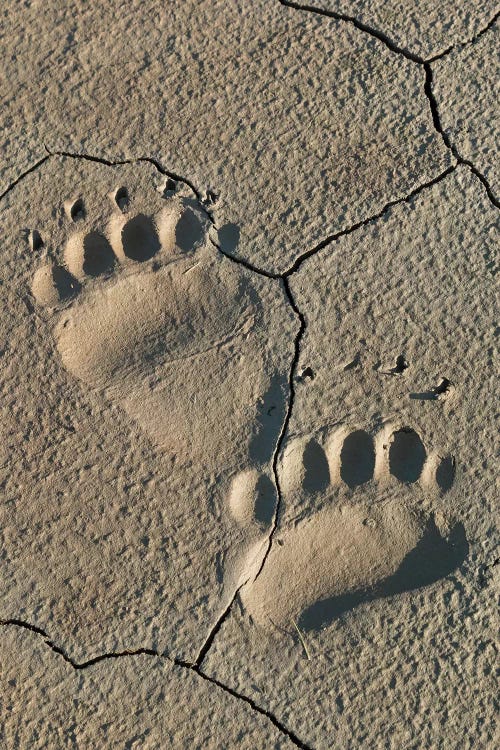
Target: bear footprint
pixel 370 537
pixel 146 309
pixel 157 306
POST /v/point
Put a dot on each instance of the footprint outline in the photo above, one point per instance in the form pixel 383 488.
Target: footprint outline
pixel 428 549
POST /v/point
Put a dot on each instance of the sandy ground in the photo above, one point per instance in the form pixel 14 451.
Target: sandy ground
pixel 248 375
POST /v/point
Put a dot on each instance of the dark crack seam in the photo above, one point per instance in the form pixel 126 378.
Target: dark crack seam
pixel 365 222
pixel 426 64
pixel 291 389
pixel 24 174
pixel 466 42
pixel 207 644
pixel 106 162
pixel 381 36
pixel 132 160
pixel 178 663
pixel 436 120
pixel 353 21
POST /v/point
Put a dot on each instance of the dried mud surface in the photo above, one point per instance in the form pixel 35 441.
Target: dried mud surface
pixel 248 346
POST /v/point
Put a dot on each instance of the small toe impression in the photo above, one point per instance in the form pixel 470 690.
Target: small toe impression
pixel 357 459
pixel 406 456
pixel 75 209
pixel 53 285
pixel 445 473
pixel 139 238
pixel 252 499
pixel 121 198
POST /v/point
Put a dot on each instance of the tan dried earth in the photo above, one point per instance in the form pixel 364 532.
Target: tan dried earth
pixel 248 374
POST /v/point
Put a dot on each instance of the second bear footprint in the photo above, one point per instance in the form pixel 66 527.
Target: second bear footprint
pixel 345 549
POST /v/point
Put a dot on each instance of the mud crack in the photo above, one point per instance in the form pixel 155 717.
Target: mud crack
pixel 155 654
pixel 24 174
pixel 382 36
pixel 291 400
pixel 418 60
pixel 429 92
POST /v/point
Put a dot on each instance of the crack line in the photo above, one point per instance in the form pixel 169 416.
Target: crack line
pixel 281 727
pixel 364 222
pixel 418 60
pixel 431 97
pixel 58 650
pixel 173 660
pixel 207 645
pixel 133 160
pixel 466 42
pixel 381 36
pixel 24 174
pixel 353 21
pixel 286 421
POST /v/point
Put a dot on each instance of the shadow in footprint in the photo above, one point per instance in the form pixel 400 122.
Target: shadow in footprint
pixel 443 388
pixel 357 459
pixel 265 502
pixel 433 558
pixel 424 396
pixel 229 237
pixel 406 456
pixel 445 474
pixel 64 283
pixel 189 232
pixel 139 238
pixel 316 471
pixel 98 256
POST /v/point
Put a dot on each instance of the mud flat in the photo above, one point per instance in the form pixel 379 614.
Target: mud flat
pixel 247 423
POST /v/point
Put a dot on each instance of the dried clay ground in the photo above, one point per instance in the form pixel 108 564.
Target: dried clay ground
pixel 248 374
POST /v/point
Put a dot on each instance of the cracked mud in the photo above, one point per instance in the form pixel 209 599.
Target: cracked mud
pixel 246 464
